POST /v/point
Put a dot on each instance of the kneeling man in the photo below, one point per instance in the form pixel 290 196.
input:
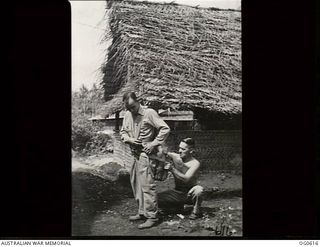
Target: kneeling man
pixel 185 169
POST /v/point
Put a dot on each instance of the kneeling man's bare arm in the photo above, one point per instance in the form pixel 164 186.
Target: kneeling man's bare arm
pixel 194 167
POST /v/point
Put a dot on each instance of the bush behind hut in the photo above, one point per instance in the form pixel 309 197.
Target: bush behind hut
pixel 86 139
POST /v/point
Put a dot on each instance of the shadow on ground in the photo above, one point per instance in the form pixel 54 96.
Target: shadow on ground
pixel 91 195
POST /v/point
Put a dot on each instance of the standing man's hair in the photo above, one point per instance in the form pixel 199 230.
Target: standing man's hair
pixel 189 141
pixel 129 95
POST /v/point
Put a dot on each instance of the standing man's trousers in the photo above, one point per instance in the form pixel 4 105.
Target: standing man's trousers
pixel 144 187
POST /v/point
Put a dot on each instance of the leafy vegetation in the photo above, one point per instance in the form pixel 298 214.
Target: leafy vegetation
pixel 85 137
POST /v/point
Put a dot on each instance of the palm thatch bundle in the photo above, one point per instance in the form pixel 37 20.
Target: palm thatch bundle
pixel 174 56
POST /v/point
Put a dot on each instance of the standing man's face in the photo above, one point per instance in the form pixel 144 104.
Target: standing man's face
pixel 184 150
pixel 132 106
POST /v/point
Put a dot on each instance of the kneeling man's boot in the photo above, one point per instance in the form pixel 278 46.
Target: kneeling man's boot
pixel 194 216
pixel 149 223
pixel 196 213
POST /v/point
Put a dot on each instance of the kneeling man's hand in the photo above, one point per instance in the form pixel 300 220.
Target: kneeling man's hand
pixel 195 191
pixel 168 166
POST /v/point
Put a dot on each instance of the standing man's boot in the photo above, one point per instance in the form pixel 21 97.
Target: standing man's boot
pixel 137 217
pixel 149 223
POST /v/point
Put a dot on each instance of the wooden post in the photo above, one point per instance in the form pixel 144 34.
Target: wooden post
pixel 117 121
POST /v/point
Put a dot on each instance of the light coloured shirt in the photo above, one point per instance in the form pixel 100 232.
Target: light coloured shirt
pixel 146 126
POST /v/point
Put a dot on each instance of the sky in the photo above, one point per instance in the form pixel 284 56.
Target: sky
pixel 88 27
pixel 87 51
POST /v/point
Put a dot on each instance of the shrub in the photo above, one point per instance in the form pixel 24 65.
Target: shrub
pixel 87 141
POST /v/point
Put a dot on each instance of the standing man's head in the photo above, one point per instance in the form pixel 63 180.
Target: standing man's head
pixel 186 148
pixel 131 103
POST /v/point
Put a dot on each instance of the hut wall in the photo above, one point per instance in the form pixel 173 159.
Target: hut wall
pixel 216 150
pixel 110 124
pixel 122 152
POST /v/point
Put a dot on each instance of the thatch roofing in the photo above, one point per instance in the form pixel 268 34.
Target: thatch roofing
pixel 174 56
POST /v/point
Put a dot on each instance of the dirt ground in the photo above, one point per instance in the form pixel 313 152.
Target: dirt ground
pixel 102 204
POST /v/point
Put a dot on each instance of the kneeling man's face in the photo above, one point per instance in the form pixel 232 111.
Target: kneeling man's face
pixel 184 150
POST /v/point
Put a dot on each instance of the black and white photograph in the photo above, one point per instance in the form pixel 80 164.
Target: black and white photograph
pixel 157 118
pixel 160 120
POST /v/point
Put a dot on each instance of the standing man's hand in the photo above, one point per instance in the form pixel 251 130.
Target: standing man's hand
pixel 136 142
pixel 148 148
pixel 133 141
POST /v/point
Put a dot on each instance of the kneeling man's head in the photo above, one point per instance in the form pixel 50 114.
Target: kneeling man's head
pixel 186 148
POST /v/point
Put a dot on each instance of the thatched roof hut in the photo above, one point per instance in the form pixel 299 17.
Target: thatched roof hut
pixel 174 56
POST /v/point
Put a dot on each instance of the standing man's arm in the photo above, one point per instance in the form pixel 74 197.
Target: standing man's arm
pixel 163 130
pixel 123 132
pixel 125 135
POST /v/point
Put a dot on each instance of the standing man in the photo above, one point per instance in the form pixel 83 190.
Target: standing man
pixel 185 170
pixel 144 131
